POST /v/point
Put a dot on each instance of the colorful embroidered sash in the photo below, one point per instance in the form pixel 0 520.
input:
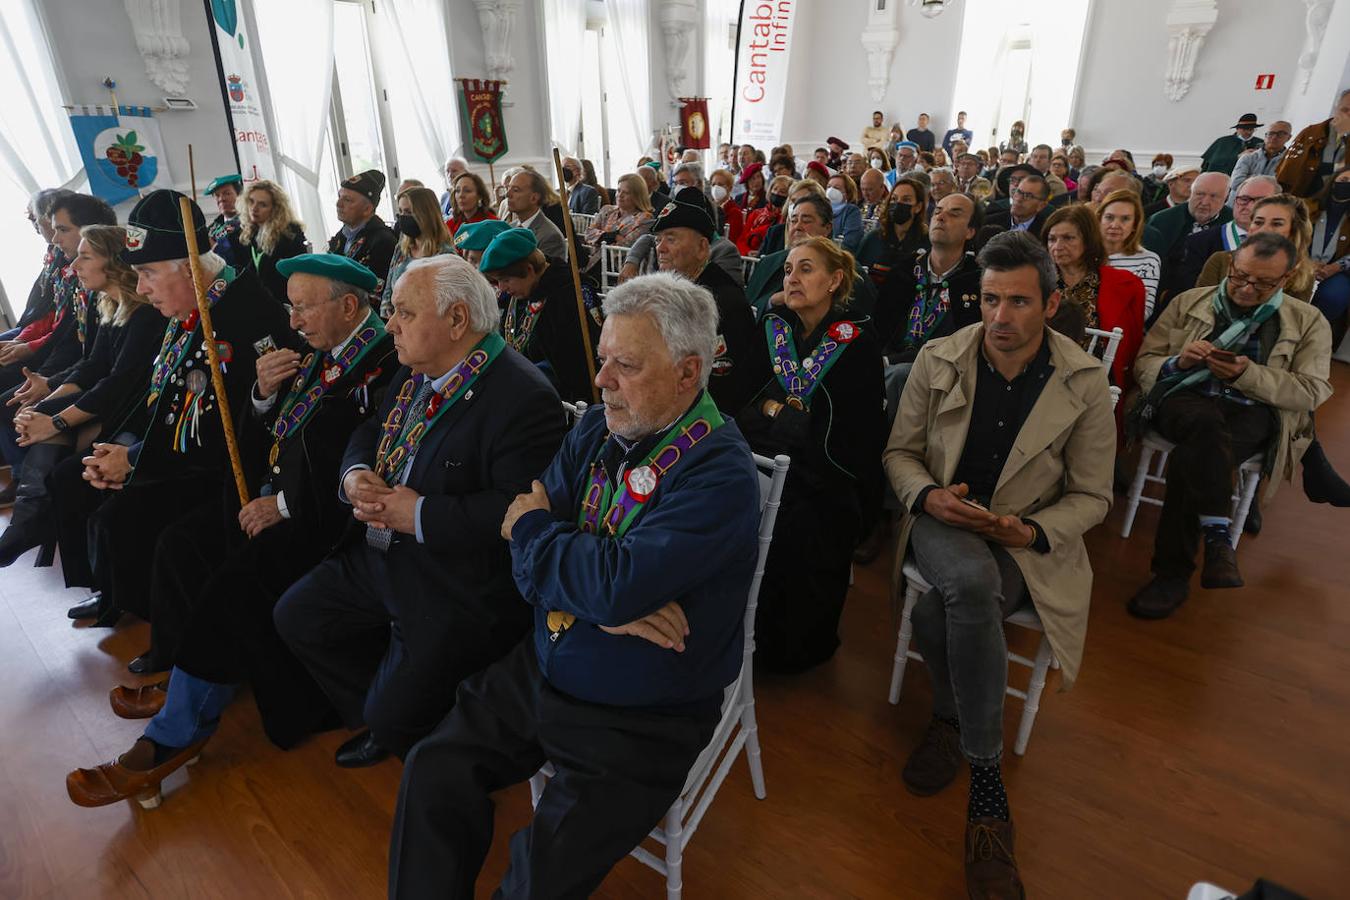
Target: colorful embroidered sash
pixel 801 378
pixel 69 299
pixel 401 438
pixel 178 337
pixel 929 307
pixel 317 374
pixel 518 333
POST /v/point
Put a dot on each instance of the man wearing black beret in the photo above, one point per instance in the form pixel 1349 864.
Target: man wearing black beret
pixel 364 236
pixel 684 229
pixel 169 455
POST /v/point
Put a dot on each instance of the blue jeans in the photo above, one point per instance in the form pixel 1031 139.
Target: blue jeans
pixel 191 710
pixel 958 626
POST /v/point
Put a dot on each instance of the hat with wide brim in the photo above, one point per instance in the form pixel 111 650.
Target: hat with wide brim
pixel 1248 120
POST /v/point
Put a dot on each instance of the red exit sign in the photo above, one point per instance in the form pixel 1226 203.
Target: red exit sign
pixel 1265 82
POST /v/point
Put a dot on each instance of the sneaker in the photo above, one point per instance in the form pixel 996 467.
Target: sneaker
pixel 1221 569
pixel 1159 598
pixel 934 763
pixel 991 868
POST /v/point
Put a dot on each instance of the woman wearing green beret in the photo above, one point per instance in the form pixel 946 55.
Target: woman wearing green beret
pixel 539 315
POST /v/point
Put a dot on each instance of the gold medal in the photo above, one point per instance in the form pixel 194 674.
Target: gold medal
pixel 795 402
pixel 559 621
pixel 272 456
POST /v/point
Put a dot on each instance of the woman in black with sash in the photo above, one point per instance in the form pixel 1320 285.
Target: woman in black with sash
pixel 823 408
pixel 539 313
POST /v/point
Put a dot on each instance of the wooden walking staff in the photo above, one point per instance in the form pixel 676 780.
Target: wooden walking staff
pixel 576 276
pixel 212 353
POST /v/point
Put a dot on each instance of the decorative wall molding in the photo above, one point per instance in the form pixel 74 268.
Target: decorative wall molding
pixel 1188 23
pixel 496 18
pixel 1319 14
pixel 159 38
pixel 680 20
pixel 880 38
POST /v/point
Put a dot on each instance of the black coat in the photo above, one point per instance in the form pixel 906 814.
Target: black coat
pixel 373 247
pixel 896 297
pixel 292 243
pixel 225 238
pixel 555 344
pixel 115 374
pixel 478 456
pixel 1003 219
pixel 738 370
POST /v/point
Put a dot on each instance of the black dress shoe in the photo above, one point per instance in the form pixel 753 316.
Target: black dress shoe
pixel 1253 524
pixel 86 609
pixel 1159 598
pixel 360 751
pixel 147 664
pixel 1321 482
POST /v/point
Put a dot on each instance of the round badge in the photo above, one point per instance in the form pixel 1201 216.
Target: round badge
pixel 196 381
pixel 641 482
pixel 843 332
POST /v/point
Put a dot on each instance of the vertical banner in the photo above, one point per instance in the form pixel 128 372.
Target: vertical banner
pixel 122 150
pixel 694 123
pixel 253 147
pixel 763 46
pixel 480 111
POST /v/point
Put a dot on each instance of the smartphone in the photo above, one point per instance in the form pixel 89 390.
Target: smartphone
pixel 1223 355
pixel 975 503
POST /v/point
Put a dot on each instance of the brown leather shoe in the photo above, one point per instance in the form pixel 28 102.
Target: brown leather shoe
pixel 138 702
pixel 115 781
pixel 1221 568
pixel 1159 598
pixel 934 763
pixel 991 868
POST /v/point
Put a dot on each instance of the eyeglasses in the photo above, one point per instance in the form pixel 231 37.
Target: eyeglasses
pixel 1024 195
pixel 302 310
pixel 1278 133
pixel 1238 279
pixel 1243 201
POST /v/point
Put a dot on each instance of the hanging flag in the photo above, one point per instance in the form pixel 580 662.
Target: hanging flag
pixel 122 150
pixel 480 111
pixel 763 46
pixel 253 147
pixel 694 123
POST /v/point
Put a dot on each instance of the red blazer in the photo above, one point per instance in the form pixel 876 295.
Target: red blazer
pixel 1120 302
pixel 453 223
pixel 735 220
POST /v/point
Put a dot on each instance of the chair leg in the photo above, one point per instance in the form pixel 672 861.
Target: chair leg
pixel 674 830
pixel 902 644
pixel 752 754
pixel 1034 690
pixel 1136 491
pixel 1247 486
pixel 537 783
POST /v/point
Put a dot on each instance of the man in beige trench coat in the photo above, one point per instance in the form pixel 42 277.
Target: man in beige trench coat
pixel 1002 452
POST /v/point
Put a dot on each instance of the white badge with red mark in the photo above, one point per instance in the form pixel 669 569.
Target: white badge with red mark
pixel 641 482
pixel 136 236
pixel 843 332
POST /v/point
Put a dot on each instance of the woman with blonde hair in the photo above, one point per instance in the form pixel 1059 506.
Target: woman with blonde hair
pixel 1121 216
pixel 623 222
pixel 1287 216
pixel 824 407
pixel 470 201
pixel 69 410
pixel 422 233
pixel 270 234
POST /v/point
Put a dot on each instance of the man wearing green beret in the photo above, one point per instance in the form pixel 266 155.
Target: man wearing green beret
pixel 225 227
pixel 539 317
pixel 364 237
pixel 169 455
pixel 217 577
pixel 473 238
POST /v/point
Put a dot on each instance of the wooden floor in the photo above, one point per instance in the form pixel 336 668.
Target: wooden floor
pixel 1209 747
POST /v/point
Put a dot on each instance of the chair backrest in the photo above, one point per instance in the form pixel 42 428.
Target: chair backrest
pixel 1112 338
pixel 611 263
pixel 748 264
pixel 574 411
pixel 581 222
pixel 772 476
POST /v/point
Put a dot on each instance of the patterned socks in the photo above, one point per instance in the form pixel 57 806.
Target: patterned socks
pixel 1215 529
pixel 988 799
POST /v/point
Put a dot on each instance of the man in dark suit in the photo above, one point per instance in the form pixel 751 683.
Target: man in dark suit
pixel 1167 233
pixel 1201 245
pixel 419 595
pixel 364 236
pixel 219 571
pixel 1028 204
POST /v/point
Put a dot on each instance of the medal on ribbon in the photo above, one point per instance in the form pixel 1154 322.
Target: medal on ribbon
pixel 799 380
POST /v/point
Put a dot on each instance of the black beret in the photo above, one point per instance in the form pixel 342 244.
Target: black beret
pixel 369 184
pixel 689 209
pixel 155 229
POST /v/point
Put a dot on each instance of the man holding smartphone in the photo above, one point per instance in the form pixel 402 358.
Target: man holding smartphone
pixel 1225 373
pixel 1002 452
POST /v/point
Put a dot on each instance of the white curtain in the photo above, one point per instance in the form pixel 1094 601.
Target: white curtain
pixel 297 49
pixel 630 124
pixel 418 29
pixel 564 32
pixel 719 61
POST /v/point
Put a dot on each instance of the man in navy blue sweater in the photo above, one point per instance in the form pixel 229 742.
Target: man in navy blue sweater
pixel 636 551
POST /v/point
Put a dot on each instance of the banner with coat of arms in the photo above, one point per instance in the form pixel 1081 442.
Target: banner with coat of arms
pixel 122 149
pixel 252 144
pixel 694 123
pixel 480 109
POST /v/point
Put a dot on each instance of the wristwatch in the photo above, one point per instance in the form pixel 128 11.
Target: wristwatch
pixel 59 423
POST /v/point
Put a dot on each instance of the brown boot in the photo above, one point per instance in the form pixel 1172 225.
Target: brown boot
pixel 934 763
pixel 1221 569
pixel 991 868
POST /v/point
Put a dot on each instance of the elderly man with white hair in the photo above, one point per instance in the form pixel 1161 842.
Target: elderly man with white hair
pixel 636 550
pixel 455 166
pixel 419 594
pixel 1168 231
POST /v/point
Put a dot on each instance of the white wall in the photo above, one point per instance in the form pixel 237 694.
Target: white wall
pixel 1330 75
pixel 95 39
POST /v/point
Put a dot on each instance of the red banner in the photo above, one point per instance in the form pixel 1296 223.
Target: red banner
pixel 694 126
pixel 480 107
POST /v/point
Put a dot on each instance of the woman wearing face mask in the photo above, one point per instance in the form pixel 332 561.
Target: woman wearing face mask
pixel 270 234
pixel 901 233
pixel 730 219
pixel 422 233
pixel 877 159
pixel 469 202
pixel 760 220
pixel 842 192
pixel 1015 142
pixel 1330 251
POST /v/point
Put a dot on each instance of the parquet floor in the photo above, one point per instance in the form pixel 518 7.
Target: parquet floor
pixel 1212 746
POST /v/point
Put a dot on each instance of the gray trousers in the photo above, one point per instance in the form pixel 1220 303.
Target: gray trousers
pixel 958 626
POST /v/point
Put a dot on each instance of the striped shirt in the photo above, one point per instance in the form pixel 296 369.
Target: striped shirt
pixel 1148 266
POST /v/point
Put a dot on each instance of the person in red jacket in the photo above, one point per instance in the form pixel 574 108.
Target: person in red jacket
pixel 1092 294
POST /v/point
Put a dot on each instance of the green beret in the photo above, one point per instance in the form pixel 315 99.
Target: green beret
pixel 653 165
pixel 512 245
pixel 330 265
pixel 217 183
pixel 477 235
